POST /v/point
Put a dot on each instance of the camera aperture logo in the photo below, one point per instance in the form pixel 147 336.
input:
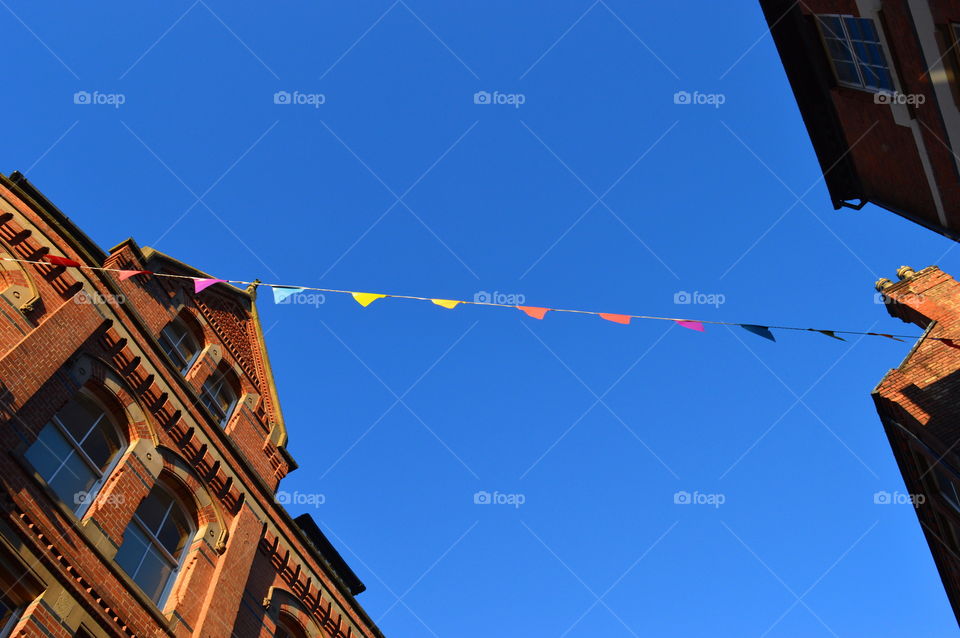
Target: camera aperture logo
pixel 314 499
pixel 116 100
pixel 300 99
pixel 486 97
pixel 716 100
pixel 503 298
pixel 484 497
pixel 684 298
pixel 697 498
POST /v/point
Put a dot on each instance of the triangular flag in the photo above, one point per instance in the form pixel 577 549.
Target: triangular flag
pixel 449 304
pixel 533 311
pixel 624 319
pixel 282 293
pixel 880 334
pixel 199 285
pixel 62 261
pixel 691 325
pixel 366 298
pixel 127 274
pixel 828 333
pixel 760 331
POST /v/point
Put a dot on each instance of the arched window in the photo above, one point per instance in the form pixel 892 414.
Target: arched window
pixel 155 542
pixel 75 450
pixel 289 628
pixel 180 344
pixel 219 396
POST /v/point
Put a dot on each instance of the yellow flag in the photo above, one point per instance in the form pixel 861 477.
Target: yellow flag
pixel 449 304
pixel 366 298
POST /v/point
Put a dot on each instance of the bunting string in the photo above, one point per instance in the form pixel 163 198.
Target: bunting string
pixel 281 292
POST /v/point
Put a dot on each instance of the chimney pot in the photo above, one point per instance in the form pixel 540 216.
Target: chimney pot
pixel 905 272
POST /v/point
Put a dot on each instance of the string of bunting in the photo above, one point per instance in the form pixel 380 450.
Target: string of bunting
pixel 281 292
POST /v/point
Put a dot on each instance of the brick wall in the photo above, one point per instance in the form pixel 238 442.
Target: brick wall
pixel 61 565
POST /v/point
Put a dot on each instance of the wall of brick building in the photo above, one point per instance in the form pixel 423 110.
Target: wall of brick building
pixel 919 407
pixel 56 344
pixel 904 154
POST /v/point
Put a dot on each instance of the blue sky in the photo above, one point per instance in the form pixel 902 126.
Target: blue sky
pixel 597 192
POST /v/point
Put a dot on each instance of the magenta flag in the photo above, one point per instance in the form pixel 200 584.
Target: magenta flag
pixel 199 285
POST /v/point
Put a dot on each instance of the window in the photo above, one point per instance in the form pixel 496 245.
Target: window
pixel 218 395
pixel 288 628
pixel 179 344
pixel 948 487
pixel 74 451
pixel 9 615
pixel 154 543
pixel 855 50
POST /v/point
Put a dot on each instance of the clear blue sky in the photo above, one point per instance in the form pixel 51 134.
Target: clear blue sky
pixel 495 197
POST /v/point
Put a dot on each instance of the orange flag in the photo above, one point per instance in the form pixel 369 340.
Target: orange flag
pixel 533 311
pixel 624 319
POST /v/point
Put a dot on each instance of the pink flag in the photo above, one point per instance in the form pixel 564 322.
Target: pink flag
pixel 62 261
pixel 127 274
pixel 624 319
pixel 533 311
pixel 691 325
pixel 199 285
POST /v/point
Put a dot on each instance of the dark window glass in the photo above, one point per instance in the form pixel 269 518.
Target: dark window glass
pixel 856 52
pixel 154 543
pixel 179 344
pixel 218 397
pixel 74 449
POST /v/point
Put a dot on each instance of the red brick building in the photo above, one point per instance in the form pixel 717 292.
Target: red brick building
pixel 143 445
pixel 877 85
pixel 917 403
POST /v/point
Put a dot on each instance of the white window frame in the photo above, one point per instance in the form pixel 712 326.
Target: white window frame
pixel 166 555
pixel 80 509
pixel 222 417
pixel 856 60
pixel 172 348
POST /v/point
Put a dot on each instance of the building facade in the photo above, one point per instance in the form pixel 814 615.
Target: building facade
pixel 143 445
pixel 918 406
pixel 876 82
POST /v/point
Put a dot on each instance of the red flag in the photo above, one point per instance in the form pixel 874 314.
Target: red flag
pixel 62 261
pixel 691 325
pixel 533 311
pixel 624 319
pixel 127 274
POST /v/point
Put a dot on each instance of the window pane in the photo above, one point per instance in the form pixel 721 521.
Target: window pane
pixel 153 509
pixel 131 550
pixel 154 573
pixel 847 72
pixel 100 446
pixel 48 451
pixel 832 27
pixel 159 520
pixel 78 416
pixel 73 481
